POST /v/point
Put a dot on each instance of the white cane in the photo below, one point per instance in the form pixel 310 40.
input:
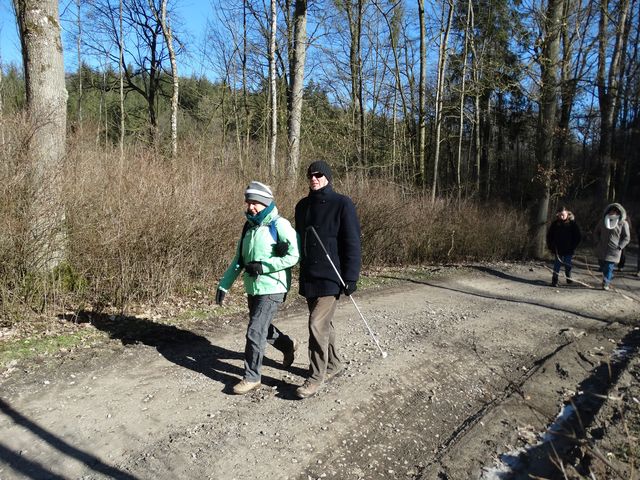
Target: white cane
pixel 382 352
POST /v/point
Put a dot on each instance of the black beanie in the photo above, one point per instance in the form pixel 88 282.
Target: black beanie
pixel 322 167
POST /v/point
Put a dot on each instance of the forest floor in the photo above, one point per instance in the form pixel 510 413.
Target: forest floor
pixel 491 374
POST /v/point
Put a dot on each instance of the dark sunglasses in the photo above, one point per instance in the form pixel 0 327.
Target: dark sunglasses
pixel 315 175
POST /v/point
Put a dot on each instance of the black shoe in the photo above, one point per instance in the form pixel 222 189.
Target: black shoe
pixel 569 281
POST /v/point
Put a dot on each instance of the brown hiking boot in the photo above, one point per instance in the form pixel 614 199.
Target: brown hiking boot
pixel 308 389
pixel 244 386
pixel 289 356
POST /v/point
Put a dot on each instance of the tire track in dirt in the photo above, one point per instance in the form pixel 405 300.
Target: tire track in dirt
pixel 471 370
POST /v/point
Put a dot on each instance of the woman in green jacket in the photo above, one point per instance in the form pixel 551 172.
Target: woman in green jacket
pixel 266 251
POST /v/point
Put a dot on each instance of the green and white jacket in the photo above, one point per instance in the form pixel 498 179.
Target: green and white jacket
pixel 257 246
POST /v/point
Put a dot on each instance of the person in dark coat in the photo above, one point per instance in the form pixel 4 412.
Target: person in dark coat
pixel 611 236
pixel 334 219
pixel 563 238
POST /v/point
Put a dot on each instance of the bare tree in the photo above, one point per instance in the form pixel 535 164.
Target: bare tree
pixel 442 69
pixel 296 75
pixel 463 92
pixel 39 27
pixel 608 81
pixel 79 49
pixel 273 90
pixel 549 62
pixel 422 95
pixel 161 18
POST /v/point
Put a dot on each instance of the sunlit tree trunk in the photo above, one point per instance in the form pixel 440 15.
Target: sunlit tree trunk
pixel 297 86
pixel 442 68
pixel 39 27
pixel 161 18
pixel 274 91
pixel 422 96
pixel 462 97
pixel 79 51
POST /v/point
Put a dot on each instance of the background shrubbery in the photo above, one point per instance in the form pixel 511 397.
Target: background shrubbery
pixel 147 228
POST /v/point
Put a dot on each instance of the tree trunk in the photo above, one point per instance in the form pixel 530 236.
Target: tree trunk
pixel 121 92
pixel 161 18
pixel 422 96
pixel 548 123
pixel 39 27
pixel 608 83
pixel 297 86
pixel 274 91
pixel 462 97
pixel 442 68
pixel 79 49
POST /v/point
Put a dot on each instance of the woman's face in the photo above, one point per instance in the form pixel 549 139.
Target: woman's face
pixel 563 215
pixel 254 207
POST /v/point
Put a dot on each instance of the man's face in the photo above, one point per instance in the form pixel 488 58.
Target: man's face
pixel 563 215
pixel 254 207
pixel 317 180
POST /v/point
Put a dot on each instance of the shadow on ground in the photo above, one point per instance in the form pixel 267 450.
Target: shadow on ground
pixel 184 348
pixel 34 470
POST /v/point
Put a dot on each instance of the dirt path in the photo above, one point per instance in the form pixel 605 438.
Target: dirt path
pixel 481 361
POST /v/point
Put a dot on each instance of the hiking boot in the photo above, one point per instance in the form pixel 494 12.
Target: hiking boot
pixel 289 356
pixel 245 386
pixel 569 280
pixel 308 389
pixel 554 280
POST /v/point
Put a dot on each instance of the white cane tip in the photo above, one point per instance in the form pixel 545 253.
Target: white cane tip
pixel 384 354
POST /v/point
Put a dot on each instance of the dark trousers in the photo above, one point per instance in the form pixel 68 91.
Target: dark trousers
pixel 323 357
pixel 557 266
pixel 262 310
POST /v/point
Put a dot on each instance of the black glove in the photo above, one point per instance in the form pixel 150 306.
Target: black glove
pixel 349 288
pixel 280 249
pixel 220 296
pixel 253 269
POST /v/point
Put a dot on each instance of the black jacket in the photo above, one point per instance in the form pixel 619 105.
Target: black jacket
pixel 334 218
pixel 563 237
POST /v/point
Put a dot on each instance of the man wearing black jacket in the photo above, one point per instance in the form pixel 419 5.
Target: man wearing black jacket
pixel 334 218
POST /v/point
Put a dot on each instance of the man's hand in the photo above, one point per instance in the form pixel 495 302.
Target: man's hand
pixel 253 269
pixel 349 288
pixel 220 296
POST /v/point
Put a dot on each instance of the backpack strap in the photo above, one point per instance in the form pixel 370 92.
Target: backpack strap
pixel 272 230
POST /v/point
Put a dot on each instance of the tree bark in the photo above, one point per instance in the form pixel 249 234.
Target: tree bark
pixel 422 96
pixel 442 68
pixel 161 18
pixel 274 91
pixel 297 86
pixel 547 118
pixel 39 27
pixel 608 84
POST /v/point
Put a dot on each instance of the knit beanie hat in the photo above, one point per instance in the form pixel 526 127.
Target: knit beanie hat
pixel 322 167
pixel 258 192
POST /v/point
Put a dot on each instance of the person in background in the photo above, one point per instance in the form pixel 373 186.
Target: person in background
pixel 611 236
pixel 267 250
pixel 563 238
pixel 334 219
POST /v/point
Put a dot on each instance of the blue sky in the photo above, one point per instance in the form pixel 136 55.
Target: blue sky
pixel 193 16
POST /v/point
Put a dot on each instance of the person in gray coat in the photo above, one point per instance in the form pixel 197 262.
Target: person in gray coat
pixel 611 236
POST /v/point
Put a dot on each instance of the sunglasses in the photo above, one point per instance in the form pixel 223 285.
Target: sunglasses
pixel 315 175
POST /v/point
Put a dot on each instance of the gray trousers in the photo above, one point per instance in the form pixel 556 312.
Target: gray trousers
pixel 260 331
pixel 323 357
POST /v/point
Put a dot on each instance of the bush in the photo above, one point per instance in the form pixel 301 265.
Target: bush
pixel 146 228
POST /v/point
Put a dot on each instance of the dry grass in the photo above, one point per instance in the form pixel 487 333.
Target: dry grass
pixel 145 228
